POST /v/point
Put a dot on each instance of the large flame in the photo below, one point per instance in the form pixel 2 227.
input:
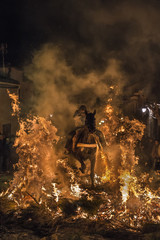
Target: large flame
pixel 15 103
pixel 45 177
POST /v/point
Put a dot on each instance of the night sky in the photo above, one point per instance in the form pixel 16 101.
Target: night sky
pixel 90 34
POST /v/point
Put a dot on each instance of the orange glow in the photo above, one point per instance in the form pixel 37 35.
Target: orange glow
pixel 44 177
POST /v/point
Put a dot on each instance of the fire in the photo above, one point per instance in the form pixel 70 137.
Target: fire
pixel 15 103
pixel 44 177
pixel 35 144
pixel 106 176
pixel 109 111
pixel 122 135
pixel 125 180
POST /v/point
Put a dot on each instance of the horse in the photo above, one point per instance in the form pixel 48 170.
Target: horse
pixel 85 143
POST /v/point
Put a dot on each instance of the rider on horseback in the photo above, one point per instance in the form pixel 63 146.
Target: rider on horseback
pixel 79 120
pixel 87 137
pixel 85 140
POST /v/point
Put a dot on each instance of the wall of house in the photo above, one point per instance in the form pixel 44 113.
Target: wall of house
pixel 6 117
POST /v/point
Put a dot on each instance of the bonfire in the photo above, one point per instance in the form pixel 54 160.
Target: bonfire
pixel 45 177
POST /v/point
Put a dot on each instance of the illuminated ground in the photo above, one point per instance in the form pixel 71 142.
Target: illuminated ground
pixel 50 199
pixel 35 223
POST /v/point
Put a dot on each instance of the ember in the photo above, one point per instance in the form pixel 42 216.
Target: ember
pixel 45 177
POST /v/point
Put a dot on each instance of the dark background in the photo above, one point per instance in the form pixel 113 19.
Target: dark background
pixel 127 31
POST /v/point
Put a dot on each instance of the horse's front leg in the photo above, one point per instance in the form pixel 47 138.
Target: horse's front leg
pixel 80 158
pixel 92 170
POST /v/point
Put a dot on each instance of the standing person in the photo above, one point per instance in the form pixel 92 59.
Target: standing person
pixel 146 152
pixel 156 112
pixel 156 155
pixel 4 146
pixel 6 155
pixel 1 152
pixel 157 115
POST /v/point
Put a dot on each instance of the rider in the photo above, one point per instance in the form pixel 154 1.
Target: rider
pixel 79 120
pixel 80 116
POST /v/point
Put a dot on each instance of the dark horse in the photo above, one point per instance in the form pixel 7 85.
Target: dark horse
pixel 85 142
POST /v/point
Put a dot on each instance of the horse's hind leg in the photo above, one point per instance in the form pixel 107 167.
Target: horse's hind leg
pixel 83 166
pixel 92 171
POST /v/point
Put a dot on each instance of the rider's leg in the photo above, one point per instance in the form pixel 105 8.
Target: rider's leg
pixel 83 166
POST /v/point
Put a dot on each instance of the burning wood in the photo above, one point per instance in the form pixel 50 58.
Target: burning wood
pixel 15 103
pixel 120 195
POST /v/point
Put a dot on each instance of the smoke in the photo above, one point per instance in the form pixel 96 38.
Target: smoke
pixel 79 50
pixel 59 91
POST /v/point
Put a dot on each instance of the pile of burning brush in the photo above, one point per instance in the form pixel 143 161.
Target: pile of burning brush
pixel 45 178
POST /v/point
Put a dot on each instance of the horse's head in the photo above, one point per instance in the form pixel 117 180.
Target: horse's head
pixel 90 121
